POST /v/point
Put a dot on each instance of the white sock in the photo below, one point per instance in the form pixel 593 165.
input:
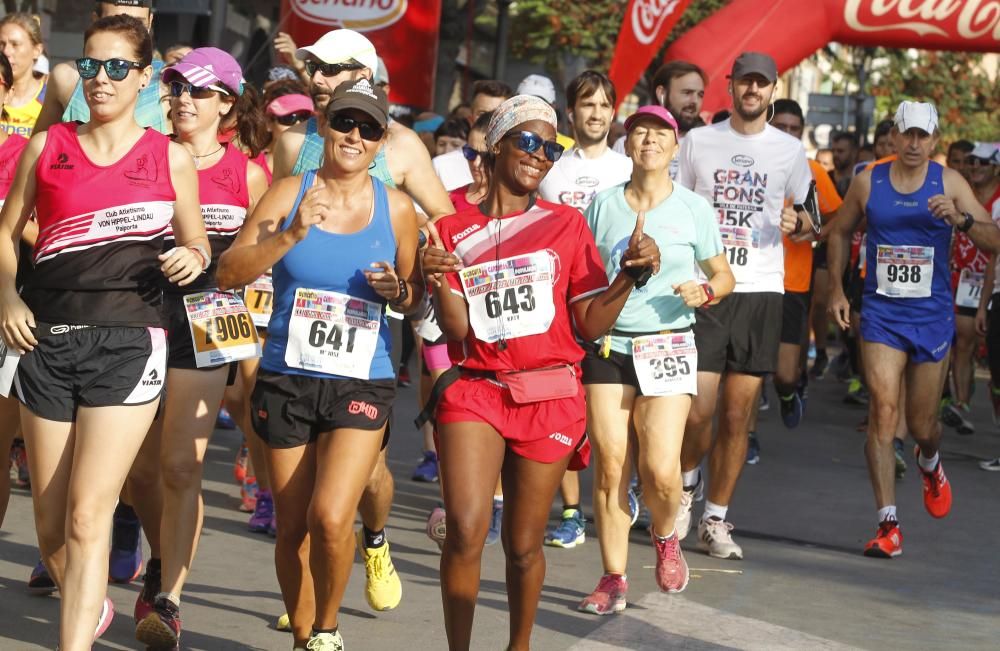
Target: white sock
pixel 691 477
pixel 172 598
pixel 663 539
pixel 887 513
pixel 713 510
pixel 928 465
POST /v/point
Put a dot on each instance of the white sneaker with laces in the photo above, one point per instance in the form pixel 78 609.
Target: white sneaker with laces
pixel 993 465
pixel 714 538
pixel 682 524
pixel 325 642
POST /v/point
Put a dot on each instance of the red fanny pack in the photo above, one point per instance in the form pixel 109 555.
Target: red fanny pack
pixel 540 384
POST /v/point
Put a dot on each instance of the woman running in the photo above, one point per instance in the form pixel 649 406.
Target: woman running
pixel 88 322
pixel 21 42
pixel 208 330
pixel 510 278
pixel 326 383
pixel 642 374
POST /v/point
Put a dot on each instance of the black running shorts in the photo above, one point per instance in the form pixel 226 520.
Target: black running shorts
pixel 795 317
pixel 616 368
pixel 90 366
pixel 293 410
pixel 740 334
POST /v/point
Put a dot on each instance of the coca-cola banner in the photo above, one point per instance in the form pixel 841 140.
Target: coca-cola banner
pixel 791 30
pixel 644 28
pixel 405 34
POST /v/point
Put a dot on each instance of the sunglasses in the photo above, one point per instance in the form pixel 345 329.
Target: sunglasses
pixel 529 143
pixel 367 130
pixel 178 88
pixel 292 118
pixel 329 69
pixel 471 153
pixel 974 161
pixel 116 69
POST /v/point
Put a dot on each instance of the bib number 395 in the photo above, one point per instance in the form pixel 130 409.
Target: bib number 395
pixel 666 365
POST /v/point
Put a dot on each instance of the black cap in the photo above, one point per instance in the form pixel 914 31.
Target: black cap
pixel 361 95
pixel 755 63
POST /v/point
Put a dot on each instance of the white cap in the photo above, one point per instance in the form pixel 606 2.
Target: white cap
pixel 340 46
pixel 539 86
pixel 916 115
pixel 41 65
pixel 987 151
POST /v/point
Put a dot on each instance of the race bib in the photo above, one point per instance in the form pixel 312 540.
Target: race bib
pixel 333 333
pixel 970 289
pixel 741 245
pixel 221 328
pixel 904 271
pixel 510 298
pixel 259 296
pixel 666 365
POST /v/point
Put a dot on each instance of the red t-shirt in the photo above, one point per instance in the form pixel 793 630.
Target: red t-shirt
pixel 965 254
pixel 459 200
pixel 521 272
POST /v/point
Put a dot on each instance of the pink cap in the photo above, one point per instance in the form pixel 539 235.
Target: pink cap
pixel 288 104
pixel 658 112
pixel 208 66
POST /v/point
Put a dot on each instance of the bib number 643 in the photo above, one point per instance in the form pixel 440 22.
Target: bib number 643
pixel 514 300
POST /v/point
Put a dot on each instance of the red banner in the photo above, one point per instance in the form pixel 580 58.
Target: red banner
pixel 405 34
pixel 644 28
pixel 963 25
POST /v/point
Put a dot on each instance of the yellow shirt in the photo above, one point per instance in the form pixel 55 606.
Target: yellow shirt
pixel 565 141
pixel 21 120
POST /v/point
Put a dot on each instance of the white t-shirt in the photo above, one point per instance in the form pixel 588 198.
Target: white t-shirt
pixel 452 169
pixel 575 180
pixel 747 179
pixel 674 163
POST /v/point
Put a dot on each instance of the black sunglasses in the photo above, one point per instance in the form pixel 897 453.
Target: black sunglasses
pixel 329 69
pixel 529 143
pixel 367 130
pixel 292 118
pixel 117 69
pixel 178 88
pixel 471 153
pixel 974 161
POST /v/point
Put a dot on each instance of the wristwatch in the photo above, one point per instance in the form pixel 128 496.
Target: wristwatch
pixel 967 224
pixel 710 293
pixel 404 293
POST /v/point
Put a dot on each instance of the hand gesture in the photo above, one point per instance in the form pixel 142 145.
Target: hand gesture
pixel 181 265
pixel 692 293
pixel 17 321
pixel 385 282
pixel 642 250
pixel 944 208
pixel 313 209
pixel 840 310
pixel 435 261
pixel 789 220
pixel 285 48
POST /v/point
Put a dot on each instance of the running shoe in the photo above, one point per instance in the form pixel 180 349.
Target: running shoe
pixel 569 533
pixel 995 401
pixel 496 523
pixel 608 597
pixel 248 495
pixel 382 586
pixel 240 465
pixel 436 526
pixel 284 623
pixel 791 409
pixel 991 465
pixel 715 538
pixel 689 495
pixel 150 588
pixel 764 403
pixel 954 415
pixel 427 470
pixel 104 621
pixel 160 629
pixel 937 490
pixel 633 506
pixel 263 513
pixel 224 420
pixel 857 394
pixel 403 379
pixel 887 543
pixel 19 460
pixel 40 582
pixel 125 560
pixel 819 367
pixel 897 448
pixel 803 390
pixel 753 450
pixel 671 569
pixel 325 642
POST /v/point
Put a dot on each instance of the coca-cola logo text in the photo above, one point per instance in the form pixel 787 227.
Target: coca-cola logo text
pixel 359 15
pixel 648 17
pixel 967 19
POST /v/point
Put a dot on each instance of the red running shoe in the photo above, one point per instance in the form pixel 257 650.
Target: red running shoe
pixel 937 489
pixel 887 543
pixel 608 598
pixel 240 465
pixel 160 629
pixel 671 568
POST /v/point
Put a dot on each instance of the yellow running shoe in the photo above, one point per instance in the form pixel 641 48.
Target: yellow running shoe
pixel 382 586
pixel 284 623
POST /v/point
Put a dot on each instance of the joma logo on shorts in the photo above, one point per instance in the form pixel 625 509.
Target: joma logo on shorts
pixel 362 407
pixel 561 438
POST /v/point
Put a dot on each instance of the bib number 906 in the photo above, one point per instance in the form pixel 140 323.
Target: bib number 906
pixel 229 327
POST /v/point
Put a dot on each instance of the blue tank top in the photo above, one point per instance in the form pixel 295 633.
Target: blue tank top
pixel 903 220
pixel 311 156
pixel 331 262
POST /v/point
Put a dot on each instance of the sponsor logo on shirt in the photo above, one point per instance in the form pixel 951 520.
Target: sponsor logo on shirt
pixel 227 181
pixel 144 170
pixel 152 379
pixel 62 163
pixel 457 237
pixel 905 204
pixel 587 181
pixel 362 407
pixel 738 195
pixel 742 160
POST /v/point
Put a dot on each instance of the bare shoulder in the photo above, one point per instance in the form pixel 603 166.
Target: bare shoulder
pixel 953 181
pixel 404 141
pixel 62 81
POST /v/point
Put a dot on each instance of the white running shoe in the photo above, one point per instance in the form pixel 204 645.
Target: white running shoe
pixel 714 538
pixel 993 465
pixel 682 524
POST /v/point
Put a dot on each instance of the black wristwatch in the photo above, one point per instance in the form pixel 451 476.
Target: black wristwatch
pixel 967 224
pixel 404 293
pixel 640 275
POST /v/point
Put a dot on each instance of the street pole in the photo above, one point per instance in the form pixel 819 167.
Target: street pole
pixel 503 35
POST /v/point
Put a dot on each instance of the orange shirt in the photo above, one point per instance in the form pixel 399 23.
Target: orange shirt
pixel 799 256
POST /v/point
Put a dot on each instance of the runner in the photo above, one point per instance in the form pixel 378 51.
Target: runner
pixel 747 170
pixel 958 153
pixel 21 41
pixel 584 170
pixel 451 168
pixel 911 205
pixel 494 422
pixel 643 373
pixel 323 412
pixel 205 86
pixel 88 316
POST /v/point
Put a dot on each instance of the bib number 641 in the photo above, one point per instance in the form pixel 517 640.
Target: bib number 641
pixel 320 335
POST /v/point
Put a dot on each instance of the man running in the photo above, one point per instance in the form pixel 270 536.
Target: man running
pixel 748 170
pixel 912 206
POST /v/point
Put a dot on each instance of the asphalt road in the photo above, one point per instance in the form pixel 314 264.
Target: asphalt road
pixel 801 515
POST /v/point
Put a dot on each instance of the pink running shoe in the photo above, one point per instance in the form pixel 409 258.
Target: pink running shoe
pixel 107 614
pixel 436 526
pixel 608 598
pixel 671 569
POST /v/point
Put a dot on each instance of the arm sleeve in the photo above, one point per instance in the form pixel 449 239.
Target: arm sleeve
pixel 586 274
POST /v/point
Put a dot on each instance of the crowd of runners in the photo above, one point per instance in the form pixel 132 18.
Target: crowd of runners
pixel 577 292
